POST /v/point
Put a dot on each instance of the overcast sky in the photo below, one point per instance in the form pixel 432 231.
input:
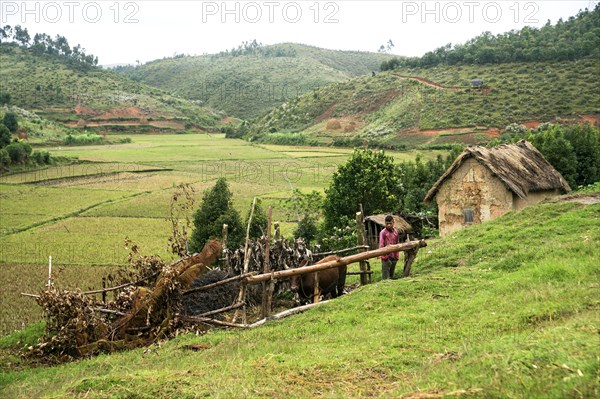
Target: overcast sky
pixel 126 31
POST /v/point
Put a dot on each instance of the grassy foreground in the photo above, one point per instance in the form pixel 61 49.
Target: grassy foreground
pixel 508 309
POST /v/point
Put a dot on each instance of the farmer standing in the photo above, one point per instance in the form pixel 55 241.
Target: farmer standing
pixel 388 236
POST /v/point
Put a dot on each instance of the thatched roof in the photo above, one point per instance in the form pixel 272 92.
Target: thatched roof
pixel 399 224
pixel 521 167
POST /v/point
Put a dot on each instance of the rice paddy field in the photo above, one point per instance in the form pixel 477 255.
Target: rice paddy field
pixel 81 214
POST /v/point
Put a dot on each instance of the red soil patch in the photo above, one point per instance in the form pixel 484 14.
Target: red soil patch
pixel 227 120
pixel 326 114
pixel 531 124
pixel 389 96
pixel 593 120
pixel 493 132
pixel 83 110
pixel 129 112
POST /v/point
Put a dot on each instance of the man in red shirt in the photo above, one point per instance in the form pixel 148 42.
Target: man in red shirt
pixel 388 236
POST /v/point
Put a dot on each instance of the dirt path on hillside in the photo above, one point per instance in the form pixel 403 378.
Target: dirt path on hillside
pixel 431 83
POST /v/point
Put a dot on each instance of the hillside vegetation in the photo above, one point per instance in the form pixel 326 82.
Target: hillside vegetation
pixel 498 310
pixel 248 81
pixel 432 106
pixel 90 98
pixel 524 76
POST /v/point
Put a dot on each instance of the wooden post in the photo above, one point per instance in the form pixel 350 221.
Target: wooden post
pixel 360 236
pixel 225 227
pixel 225 236
pixel 266 308
pixel 316 288
pixel 270 296
pixel 246 257
pixel 277 231
pixel 103 288
pixel 409 257
pixel 241 299
pixel 244 289
pixel 49 272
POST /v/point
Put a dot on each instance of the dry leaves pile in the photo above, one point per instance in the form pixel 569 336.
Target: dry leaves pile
pixel 79 325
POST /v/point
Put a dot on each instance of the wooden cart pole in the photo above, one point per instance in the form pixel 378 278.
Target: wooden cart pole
pixel 360 237
pixel 266 292
pixel 336 263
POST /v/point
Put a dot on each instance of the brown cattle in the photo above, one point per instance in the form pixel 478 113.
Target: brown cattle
pixel 331 281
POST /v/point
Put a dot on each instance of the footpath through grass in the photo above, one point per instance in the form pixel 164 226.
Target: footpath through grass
pixel 507 309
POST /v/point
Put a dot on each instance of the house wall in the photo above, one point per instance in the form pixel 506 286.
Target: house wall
pixel 533 198
pixel 471 186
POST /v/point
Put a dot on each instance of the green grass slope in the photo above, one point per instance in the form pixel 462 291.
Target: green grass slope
pixel 96 99
pixel 507 309
pixel 411 107
pixel 249 84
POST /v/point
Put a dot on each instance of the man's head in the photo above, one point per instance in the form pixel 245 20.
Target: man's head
pixel 389 222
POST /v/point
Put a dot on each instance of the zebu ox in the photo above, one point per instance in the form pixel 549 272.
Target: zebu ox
pixel 331 281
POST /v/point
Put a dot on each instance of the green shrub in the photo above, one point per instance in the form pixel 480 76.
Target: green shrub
pixel 82 139
pixel 10 121
pixel 5 136
pixel 4 158
pixel 286 139
pixel 41 157
pixel 18 152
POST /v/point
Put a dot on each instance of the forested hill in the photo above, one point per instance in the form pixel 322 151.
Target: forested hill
pixel 251 79
pixel 64 84
pixel 576 38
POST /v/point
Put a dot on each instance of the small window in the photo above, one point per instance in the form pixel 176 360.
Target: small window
pixel 468 214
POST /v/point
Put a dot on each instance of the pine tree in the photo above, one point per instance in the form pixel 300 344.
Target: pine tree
pixel 216 209
pixel 10 121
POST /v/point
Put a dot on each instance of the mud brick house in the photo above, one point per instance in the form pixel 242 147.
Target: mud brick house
pixel 485 183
